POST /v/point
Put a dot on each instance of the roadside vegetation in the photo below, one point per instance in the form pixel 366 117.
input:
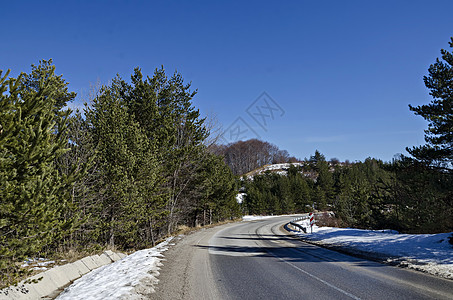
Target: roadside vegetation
pixel 124 173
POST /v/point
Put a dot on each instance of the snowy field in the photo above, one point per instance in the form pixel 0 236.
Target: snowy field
pixel 431 253
pixel 131 277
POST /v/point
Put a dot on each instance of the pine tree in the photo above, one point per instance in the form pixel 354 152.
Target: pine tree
pixel 217 189
pixel 34 195
pixel 127 169
pixel 44 71
pixel 300 190
pixel 164 107
pixel 323 192
pixel 439 113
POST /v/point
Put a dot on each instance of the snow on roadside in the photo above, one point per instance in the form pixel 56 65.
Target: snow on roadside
pixel 431 253
pixel 129 278
pixel 253 218
pixel 38 264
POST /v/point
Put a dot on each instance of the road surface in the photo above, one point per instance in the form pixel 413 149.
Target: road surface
pixel 259 260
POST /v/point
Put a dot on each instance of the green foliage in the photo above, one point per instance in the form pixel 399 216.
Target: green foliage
pixel 163 107
pixel 439 113
pixel 45 71
pixel 323 192
pixel 215 191
pixel 359 200
pixel 272 193
pixel 127 169
pixel 421 197
pixel 141 148
pixel 405 195
pixel 153 171
pixel 34 195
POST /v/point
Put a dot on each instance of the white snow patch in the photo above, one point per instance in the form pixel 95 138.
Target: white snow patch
pixel 37 263
pixel 240 197
pixel 281 166
pixel 253 218
pixel 132 277
pixel 431 253
pixel 281 169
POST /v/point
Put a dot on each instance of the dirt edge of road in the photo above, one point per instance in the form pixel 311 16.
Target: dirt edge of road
pixel 176 276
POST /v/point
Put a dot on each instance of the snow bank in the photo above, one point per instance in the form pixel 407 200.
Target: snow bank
pixel 431 253
pixel 253 218
pixel 131 277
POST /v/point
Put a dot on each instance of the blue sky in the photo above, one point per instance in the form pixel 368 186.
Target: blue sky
pixel 337 76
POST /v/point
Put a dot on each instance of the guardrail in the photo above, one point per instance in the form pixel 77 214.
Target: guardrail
pixel 298 226
pixel 305 217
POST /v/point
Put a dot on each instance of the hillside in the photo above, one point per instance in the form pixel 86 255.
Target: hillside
pixel 281 168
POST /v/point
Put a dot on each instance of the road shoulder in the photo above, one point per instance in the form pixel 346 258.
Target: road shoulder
pixel 186 272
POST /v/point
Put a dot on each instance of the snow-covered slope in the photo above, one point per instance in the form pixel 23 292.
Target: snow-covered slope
pixel 277 168
pixel 431 253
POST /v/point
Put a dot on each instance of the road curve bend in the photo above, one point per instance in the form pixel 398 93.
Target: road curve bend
pixel 259 260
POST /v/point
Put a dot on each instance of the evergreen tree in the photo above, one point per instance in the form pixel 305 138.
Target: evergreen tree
pixel 163 107
pixel 421 197
pixel 283 193
pixel 323 192
pixel 127 170
pixel 439 113
pixel 217 189
pixel 34 195
pixel 44 71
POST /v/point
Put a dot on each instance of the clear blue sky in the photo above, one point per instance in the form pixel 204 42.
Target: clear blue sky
pixel 340 73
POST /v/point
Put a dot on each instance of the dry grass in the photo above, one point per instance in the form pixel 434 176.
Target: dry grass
pixel 184 229
pixel 328 219
pixel 61 257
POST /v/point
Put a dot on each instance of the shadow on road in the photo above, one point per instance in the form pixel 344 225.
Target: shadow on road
pixel 301 253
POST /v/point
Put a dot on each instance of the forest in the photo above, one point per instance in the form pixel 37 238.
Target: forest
pixel 139 162
pixel 126 172
pixel 403 195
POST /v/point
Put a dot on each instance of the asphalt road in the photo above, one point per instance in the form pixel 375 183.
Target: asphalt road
pixel 259 260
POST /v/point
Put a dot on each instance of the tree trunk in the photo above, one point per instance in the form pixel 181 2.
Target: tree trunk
pixel 112 233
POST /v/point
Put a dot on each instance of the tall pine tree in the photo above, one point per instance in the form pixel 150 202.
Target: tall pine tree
pixel 34 195
pixel 438 150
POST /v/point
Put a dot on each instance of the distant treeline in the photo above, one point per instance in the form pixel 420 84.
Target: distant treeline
pixel 125 173
pixel 245 156
pixel 405 194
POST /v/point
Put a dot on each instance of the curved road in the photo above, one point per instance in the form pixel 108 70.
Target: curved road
pixel 259 260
